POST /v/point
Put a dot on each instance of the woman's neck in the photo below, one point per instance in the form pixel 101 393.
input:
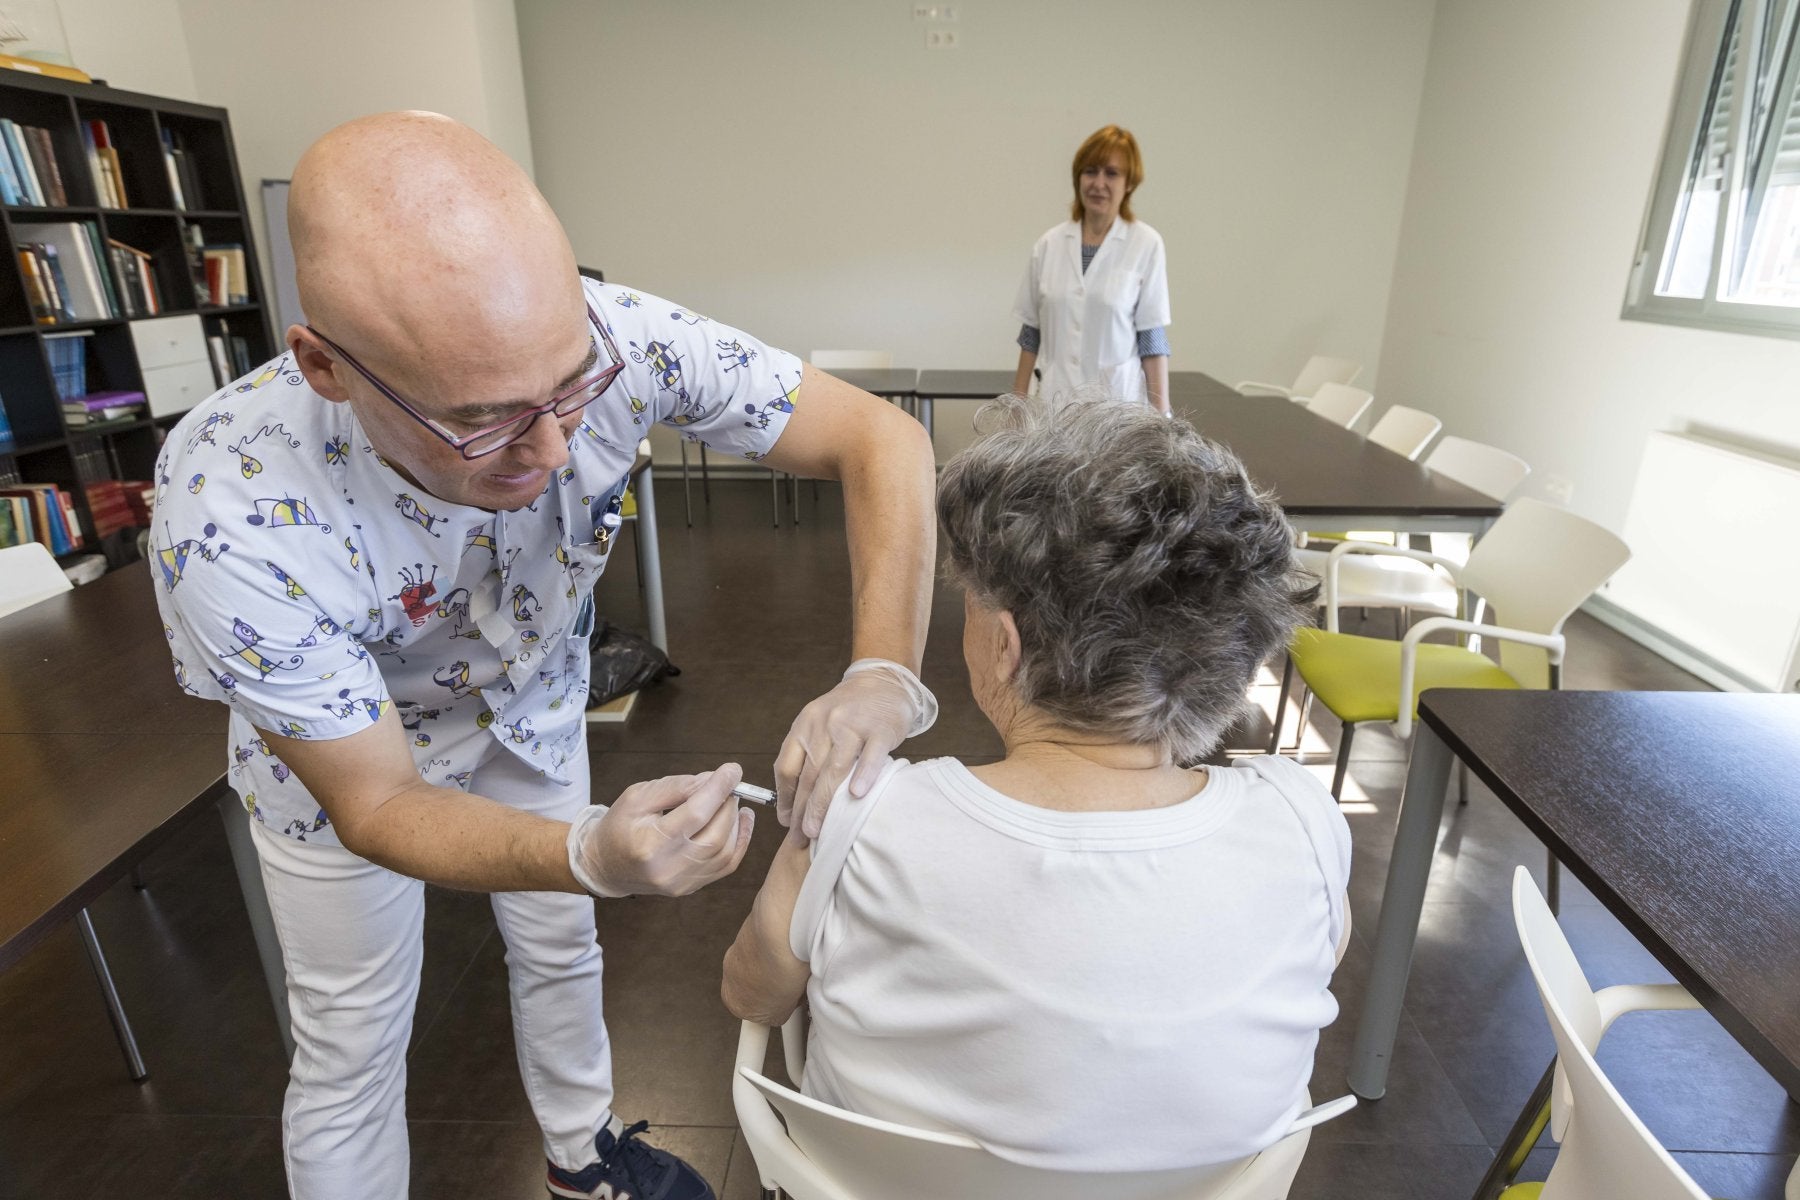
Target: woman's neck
pixel 1051 767
pixel 1094 229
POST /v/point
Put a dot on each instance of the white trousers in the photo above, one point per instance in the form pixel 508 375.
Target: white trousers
pixel 352 939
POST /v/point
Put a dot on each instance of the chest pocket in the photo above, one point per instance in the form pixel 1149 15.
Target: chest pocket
pixel 594 529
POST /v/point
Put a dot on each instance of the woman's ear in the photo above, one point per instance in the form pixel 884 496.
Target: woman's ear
pixel 1006 646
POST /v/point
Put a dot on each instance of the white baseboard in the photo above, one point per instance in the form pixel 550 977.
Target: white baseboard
pixel 1672 648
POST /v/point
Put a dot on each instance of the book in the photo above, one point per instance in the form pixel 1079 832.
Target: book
pixel 87 296
pixel 102 255
pixel 43 156
pixel 240 355
pixel 102 400
pixel 101 195
pixel 68 362
pixel 15 522
pixel 142 280
pixel 11 190
pixel 55 282
pixel 6 433
pixel 21 161
pixel 222 372
pixel 53 70
pixel 176 191
pixel 101 416
pixel 36 294
pixel 49 524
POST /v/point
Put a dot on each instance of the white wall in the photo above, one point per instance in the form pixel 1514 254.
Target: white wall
pixel 808 170
pixel 1539 137
pixel 137 45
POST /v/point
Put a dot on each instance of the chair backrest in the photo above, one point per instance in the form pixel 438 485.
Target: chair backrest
pixel 1320 369
pixel 1405 431
pixel 1340 403
pixel 28 574
pixel 1487 469
pixel 1535 566
pixel 852 360
pixel 1606 1150
pixel 826 1153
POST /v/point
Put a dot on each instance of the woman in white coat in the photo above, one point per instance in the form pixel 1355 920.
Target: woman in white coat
pixel 1094 303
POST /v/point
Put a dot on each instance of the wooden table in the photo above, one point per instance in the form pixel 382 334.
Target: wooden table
pixel 958 385
pixel 1680 811
pixel 105 756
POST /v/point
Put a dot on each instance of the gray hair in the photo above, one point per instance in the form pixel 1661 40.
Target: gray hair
pixel 1148 577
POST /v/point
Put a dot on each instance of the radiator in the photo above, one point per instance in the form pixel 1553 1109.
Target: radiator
pixel 1711 529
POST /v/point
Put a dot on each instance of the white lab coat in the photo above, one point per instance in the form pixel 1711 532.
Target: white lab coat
pixel 1090 322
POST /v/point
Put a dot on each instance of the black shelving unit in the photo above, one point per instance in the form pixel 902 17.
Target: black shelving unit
pixel 45 449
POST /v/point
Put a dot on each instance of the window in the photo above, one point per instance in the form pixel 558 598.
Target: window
pixel 1721 246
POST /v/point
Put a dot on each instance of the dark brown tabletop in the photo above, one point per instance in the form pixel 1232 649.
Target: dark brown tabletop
pixel 77 810
pixel 886 382
pixel 101 754
pixel 1680 811
pixel 95 660
pixel 1195 384
pixel 1324 472
pixel 964 385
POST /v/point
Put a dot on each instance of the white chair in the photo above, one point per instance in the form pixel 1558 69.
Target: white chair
pixel 1535 566
pixel 825 1153
pixel 1340 403
pixel 1405 431
pixel 1606 1151
pixel 1368 582
pixel 1319 369
pixel 28 575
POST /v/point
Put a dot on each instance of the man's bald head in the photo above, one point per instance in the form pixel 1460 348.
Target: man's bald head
pixel 418 241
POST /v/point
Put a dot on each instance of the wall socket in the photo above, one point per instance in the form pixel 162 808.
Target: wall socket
pixel 934 12
pixel 941 39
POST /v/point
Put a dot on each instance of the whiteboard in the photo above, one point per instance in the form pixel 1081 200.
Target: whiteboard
pixel 281 256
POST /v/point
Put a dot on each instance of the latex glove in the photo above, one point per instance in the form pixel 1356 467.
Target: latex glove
pixel 666 837
pixel 848 733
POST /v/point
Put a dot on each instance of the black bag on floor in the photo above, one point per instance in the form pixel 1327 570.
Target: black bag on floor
pixel 623 661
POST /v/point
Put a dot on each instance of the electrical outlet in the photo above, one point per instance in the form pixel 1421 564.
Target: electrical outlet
pixel 946 12
pixel 1557 491
pixel 941 39
pixel 925 12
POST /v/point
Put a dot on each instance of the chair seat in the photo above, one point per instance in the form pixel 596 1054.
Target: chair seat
pixel 1523 1191
pixel 1372 581
pixel 1358 678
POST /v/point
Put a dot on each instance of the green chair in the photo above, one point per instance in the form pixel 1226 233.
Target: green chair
pixel 1533 568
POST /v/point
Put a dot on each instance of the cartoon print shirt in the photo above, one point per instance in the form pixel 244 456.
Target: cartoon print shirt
pixel 310 587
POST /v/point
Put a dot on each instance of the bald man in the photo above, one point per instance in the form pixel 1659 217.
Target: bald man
pixel 387 540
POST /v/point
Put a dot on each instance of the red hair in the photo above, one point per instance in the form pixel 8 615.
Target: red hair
pixel 1101 145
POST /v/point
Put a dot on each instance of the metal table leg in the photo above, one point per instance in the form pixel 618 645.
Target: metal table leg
pixel 646 528
pixel 1526 1130
pixel 1415 840
pixel 115 1008
pixel 256 904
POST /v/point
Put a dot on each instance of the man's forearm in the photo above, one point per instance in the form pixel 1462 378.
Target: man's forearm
pixel 889 512
pixel 456 840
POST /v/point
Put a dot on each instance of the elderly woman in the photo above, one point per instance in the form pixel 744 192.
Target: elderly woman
pixel 1094 302
pixel 1087 956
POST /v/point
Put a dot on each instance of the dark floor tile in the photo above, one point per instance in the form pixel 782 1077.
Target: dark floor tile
pixel 100 1157
pixel 1738 1176
pixel 1341 1170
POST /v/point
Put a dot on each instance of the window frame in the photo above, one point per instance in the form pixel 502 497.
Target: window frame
pixel 1708 38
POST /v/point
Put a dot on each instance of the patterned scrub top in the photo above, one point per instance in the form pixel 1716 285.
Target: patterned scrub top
pixel 310 587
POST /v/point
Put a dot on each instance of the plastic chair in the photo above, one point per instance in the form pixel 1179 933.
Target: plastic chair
pixel 1369 582
pixel 1606 1150
pixel 1340 403
pixel 1535 566
pixel 29 574
pixel 1405 431
pixel 825 1153
pixel 1319 369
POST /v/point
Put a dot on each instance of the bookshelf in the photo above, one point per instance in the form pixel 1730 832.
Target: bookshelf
pixel 135 288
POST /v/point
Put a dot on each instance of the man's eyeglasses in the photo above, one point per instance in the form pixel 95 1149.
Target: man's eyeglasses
pixel 571 399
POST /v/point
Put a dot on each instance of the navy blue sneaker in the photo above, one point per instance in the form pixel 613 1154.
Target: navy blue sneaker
pixel 629 1170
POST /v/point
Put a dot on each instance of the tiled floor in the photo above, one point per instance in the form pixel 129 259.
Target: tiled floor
pixel 759 623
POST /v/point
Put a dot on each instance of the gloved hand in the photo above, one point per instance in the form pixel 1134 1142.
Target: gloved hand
pixel 851 728
pixel 665 837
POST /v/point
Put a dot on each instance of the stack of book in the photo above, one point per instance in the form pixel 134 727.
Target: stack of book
pixel 132 267
pixel 183 181
pixel 39 512
pixel 97 408
pixel 109 504
pixel 104 165
pixel 68 361
pixel 226 279
pixel 65 279
pixel 29 172
pixel 230 356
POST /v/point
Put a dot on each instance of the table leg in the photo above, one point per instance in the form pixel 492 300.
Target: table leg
pixel 256 904
pixel 1415 840
pixel 115 1008
pixel 646 529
